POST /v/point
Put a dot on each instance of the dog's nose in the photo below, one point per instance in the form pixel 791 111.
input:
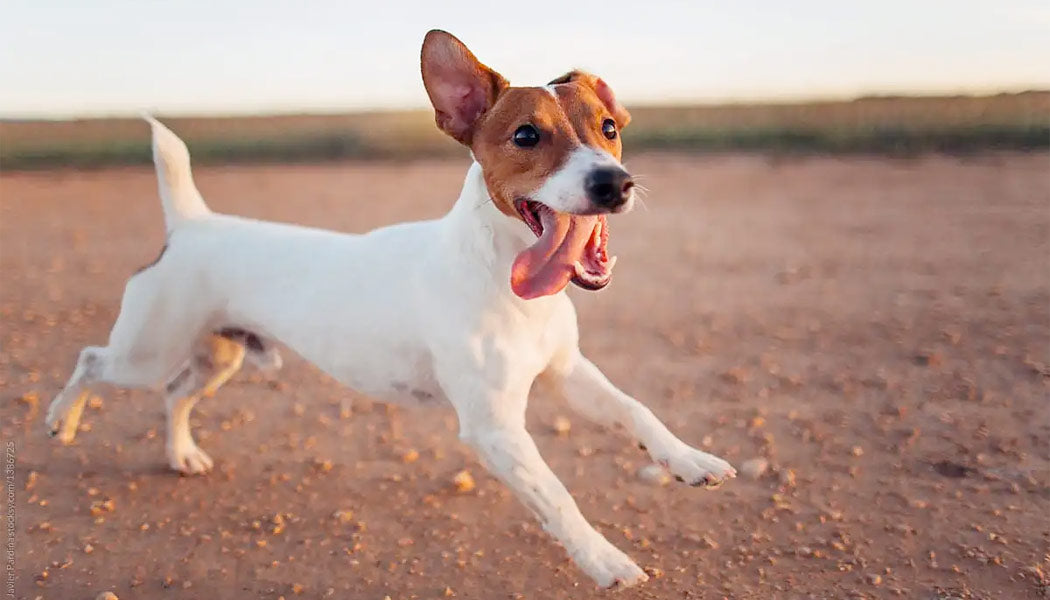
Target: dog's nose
pixel 609 187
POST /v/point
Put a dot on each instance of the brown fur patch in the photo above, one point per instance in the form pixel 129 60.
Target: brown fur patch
pixel 573 119
pixel 250 340
pixel 475 105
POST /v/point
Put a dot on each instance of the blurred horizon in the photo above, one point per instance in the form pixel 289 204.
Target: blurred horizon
pixel 227 59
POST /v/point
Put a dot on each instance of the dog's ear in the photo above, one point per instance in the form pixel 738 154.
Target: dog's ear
pixel 602 90
pixel 460 87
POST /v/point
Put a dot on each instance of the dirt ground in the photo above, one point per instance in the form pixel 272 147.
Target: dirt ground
pixel 877 329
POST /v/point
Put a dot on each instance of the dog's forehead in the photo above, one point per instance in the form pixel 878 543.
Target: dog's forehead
pixel 560 106
pixel 577 98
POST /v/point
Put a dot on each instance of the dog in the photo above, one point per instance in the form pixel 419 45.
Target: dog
pixel 468 309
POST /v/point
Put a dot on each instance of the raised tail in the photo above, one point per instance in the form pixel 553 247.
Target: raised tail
pixel 178 194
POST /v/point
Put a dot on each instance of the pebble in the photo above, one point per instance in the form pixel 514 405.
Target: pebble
pixel 654 572
pixel 463 481
pixel 106 596
pixel 754 467
pixel 655 474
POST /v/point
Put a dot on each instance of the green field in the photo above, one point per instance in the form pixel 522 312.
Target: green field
pixel 884 125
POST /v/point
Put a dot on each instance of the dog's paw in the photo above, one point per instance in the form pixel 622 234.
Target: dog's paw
pixel 189 459
pixel 608 566
pixel 63 419
pixel 697 468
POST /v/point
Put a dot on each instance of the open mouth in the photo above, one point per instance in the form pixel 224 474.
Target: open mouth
pixel 570 247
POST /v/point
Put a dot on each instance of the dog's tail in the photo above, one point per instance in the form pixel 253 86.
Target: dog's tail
pixel 178 194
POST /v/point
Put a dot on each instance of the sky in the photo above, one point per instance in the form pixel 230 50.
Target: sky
pixel 74 58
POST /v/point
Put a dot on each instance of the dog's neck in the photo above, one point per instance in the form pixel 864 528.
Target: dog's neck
pixel 476 227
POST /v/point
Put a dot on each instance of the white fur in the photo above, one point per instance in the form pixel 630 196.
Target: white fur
pixel 410 312
pixel 564 190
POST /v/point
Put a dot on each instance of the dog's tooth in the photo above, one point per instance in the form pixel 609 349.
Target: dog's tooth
pixel 579 269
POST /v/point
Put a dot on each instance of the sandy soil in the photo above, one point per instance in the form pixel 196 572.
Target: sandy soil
pixel 876 329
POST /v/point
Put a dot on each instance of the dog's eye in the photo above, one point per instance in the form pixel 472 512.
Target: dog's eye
pixel 609 128
pixel 526 136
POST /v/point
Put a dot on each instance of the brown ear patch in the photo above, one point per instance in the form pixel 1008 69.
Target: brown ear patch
pixel 601 89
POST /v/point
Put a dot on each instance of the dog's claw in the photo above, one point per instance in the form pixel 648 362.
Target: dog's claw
pixel 189 460
pixel 709 482
pixel 699 469
pixel 621 583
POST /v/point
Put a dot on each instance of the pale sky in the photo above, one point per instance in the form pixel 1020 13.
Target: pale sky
pixel 213 56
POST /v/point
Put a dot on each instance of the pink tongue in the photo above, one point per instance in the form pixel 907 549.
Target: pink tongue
pixel 547 266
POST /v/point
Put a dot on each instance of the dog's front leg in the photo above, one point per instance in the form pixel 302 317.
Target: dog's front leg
pixel 492 422
pixel 590 393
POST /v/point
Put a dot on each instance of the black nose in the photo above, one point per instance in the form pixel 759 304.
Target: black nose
pixel 609 187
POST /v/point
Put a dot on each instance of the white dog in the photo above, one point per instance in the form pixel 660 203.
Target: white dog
pixel 469 308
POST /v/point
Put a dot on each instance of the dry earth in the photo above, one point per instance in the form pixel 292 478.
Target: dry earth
pixel 876 329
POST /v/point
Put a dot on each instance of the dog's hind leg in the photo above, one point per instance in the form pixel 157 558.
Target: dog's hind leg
pixel 259 351
pixel 66 408
pixel 215 360
pixel 147 344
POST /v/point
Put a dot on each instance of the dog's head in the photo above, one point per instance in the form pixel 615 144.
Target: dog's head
pixel 550 157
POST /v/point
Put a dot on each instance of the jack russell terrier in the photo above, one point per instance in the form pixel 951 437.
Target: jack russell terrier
pixel 469 308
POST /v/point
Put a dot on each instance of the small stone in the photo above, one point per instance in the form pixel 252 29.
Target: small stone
pixel 857 451
pixel 343 516
pixel 88 548
pixel 654 474
pixel 874 579
pixel 928 358
pixel 735 375
pixel 99 507
pixel 754 467
pixel 106 596
pixel 410 456
pixel 562 425
pixel 463 481
pixel 448 592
